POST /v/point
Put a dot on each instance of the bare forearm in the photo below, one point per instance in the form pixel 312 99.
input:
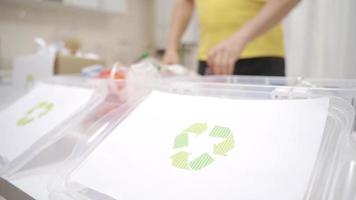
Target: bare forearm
pixel 181 16
pixel 272 13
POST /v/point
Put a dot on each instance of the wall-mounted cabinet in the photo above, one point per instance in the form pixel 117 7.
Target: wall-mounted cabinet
pixel 106 6
pixel 111 6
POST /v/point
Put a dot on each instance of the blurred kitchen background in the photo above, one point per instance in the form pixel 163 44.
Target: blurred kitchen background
pixel 319 34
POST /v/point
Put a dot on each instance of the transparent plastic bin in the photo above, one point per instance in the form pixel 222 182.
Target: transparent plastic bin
pixel 9 167
pixel 344 88
pixel 333 177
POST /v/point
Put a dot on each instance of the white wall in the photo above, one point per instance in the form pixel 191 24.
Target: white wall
pixel 320 34
pixel 116 37
pixel 320 39
pixel 163 15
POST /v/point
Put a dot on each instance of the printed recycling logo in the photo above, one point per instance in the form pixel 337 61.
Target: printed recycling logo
pixel 40 110
pixel 183 159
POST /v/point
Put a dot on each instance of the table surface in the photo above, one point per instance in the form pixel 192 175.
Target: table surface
pixel 35 184
pixel 35 177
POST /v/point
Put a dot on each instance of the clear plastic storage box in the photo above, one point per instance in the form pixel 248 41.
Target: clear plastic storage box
pixel 344 88
pixel 334 173
pixel 9 167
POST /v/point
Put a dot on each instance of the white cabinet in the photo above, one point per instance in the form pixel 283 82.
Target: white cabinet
pixel 91 4
pixel 111 6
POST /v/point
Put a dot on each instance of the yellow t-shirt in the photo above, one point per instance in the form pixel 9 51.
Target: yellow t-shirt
pixel 220 19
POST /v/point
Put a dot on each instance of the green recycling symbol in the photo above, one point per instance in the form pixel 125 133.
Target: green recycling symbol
pixel 40 110
pixel 181 159
pixel 29 80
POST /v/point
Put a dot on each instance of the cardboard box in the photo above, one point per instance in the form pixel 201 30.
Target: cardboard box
pixel 72 64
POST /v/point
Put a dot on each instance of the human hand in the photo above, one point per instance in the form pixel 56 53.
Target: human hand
pixel 170 57
pixel 222 58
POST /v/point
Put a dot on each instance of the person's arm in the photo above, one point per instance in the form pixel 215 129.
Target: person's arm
pixel 182 14
pixel 221 59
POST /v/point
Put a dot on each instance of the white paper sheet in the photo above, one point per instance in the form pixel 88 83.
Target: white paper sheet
pixel 274 149
pixel 30 68
pixel 51 105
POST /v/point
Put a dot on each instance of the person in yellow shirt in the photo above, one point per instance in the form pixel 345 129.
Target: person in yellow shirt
pixel 241 37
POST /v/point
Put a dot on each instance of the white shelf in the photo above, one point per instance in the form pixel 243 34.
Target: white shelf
pixel 102 6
